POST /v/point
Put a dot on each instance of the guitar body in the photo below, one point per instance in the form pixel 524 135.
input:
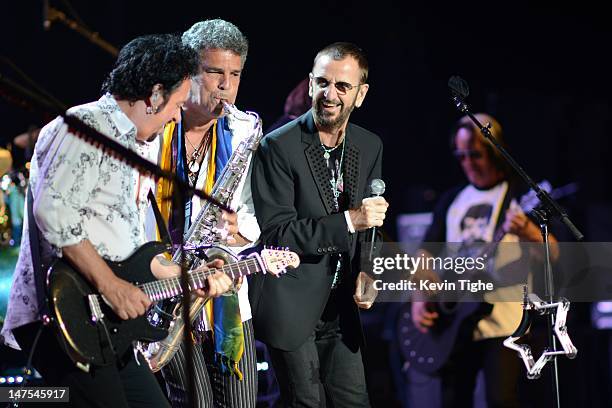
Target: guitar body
pixel 92 334
pixel 100 342
pixel 428 352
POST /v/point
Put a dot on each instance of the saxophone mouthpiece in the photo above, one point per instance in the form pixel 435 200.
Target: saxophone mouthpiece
pixel 227 107
pixel 234 113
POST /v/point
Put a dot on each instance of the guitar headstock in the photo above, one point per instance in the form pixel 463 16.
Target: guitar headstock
pixel 278 260
pixel 530 200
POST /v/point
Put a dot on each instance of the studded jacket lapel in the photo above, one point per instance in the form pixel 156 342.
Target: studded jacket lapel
pixel 318 167
pixel 316 162
pixel 352 157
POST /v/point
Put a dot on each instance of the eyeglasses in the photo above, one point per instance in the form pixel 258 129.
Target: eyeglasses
pixel 341 86
pixel 462 154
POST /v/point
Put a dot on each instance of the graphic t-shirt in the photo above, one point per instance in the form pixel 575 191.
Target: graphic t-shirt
pixel 471 217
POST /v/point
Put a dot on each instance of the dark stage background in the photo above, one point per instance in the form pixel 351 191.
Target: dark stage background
pixel 543 73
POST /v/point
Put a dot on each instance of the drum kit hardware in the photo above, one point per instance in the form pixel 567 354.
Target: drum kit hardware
pixel 13 184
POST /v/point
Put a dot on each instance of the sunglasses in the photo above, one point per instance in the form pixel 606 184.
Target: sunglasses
pixel 462 154
pixel 341 86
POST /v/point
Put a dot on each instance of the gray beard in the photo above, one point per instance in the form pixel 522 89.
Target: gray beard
pixel 328 123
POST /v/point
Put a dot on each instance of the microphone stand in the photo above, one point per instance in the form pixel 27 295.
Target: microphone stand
pixel 547 209
pixel 179 201
pixel 54 14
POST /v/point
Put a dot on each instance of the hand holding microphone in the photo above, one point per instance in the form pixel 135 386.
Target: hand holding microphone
pixel 372 211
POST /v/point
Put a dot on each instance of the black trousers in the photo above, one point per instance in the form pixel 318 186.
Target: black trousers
pixel 124 385
pixel 454 385
pixel 324 371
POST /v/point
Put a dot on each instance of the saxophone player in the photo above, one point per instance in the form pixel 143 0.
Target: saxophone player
pixel 197 148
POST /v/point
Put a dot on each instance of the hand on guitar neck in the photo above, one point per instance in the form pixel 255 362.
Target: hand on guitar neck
pixel 216 284
pixel 129 302
pixel 519 224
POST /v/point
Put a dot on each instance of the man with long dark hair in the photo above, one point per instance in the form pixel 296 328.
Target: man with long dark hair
pixel 84 206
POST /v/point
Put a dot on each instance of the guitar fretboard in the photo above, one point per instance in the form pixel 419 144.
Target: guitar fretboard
pixel 167 288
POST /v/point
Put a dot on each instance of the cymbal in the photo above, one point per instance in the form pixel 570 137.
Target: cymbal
pixel 6 161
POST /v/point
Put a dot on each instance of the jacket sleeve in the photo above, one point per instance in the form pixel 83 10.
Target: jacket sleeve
pixel 273 187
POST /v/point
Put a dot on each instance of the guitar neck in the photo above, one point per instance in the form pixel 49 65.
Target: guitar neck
pixel 499 235
pixel 166 288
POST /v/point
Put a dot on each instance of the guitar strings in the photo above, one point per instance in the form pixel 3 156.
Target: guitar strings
pixel 168 287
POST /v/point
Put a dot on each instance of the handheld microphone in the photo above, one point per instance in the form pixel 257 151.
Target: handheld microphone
pixel 377 188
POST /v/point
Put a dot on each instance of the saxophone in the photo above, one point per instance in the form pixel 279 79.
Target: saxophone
pixel 202 233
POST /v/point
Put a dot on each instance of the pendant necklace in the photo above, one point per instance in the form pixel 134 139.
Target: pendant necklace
pixel 335 181
pixel 194 161
pixel 327 150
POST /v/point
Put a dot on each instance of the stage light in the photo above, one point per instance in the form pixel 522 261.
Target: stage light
pixel 601 315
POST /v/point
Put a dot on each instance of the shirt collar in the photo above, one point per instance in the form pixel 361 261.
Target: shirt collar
pixel 125 127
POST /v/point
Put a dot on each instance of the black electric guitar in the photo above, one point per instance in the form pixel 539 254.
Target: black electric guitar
pixel 428 352
pixel 94 335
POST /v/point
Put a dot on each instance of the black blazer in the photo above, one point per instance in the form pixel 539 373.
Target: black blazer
pixel 293 204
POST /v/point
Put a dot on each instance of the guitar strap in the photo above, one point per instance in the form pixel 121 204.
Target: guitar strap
pixel 37 267
pixel 164 234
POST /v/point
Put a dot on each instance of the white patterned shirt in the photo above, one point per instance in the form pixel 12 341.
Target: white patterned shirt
pixel 79 193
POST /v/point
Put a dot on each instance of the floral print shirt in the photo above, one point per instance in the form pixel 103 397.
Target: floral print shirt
pixel 80 192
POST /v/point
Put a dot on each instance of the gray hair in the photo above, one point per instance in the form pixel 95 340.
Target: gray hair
pixel 217 34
